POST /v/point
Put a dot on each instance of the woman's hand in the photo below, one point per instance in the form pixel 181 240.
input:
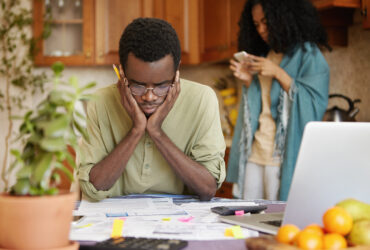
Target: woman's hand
pixel 242 71
pixel 265 67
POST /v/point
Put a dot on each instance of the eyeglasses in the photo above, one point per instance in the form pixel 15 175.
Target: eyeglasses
pixel 140 90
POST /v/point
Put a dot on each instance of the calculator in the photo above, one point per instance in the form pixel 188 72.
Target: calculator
pixel 132 243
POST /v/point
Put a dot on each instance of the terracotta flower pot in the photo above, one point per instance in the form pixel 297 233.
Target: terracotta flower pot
pixel 36 222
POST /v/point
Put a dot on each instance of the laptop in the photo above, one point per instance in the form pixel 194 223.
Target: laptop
pixel 333 164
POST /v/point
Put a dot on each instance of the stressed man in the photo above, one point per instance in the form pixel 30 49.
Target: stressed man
pixel 152 132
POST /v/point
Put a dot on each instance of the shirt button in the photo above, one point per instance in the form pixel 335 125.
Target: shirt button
pixel 148 144
pixel 146 166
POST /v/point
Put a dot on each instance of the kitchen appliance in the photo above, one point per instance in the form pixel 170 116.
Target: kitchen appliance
pixel 337 114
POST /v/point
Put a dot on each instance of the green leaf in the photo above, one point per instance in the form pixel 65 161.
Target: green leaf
pixel 66 171
pixel 22 187
pixel 57 68
pixel 52 191
pixel 56 127
pixel 80 129
pixel 24 172
pixel 71 161
pixel 60 97
pixel 42 169
pixel 74 81
pixel 88 86
pixel 52 144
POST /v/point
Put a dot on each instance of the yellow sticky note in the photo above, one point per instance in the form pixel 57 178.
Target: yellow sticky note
pixel 237 232
pixel 228 232
pixel 166 219
pixel 117 228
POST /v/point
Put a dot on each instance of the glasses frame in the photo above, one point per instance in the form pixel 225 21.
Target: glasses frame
pixel 146 89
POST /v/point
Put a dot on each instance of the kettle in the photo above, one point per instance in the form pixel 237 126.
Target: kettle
pixel 340 115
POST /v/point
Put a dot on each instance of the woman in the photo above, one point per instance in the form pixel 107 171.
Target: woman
pixel 286 82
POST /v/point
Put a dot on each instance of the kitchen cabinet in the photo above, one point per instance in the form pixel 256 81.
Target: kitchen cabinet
pixel 207 29
pixel 71 40
pixel 336 16
pixel 111 17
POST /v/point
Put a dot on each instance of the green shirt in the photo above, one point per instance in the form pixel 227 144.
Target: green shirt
pixel 193 125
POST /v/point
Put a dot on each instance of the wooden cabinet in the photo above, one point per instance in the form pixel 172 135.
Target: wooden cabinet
pixel 336 16
pixel 207 29
pixel 365 8
pixel 111 17
pixel 71 40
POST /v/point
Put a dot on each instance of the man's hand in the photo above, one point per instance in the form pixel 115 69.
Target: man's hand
pixel 241 71
pixel 156 119
pixel 129 103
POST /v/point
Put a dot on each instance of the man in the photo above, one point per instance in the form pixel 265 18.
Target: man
pixel 151 133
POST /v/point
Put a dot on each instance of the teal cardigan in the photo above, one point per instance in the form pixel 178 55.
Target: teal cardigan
pixel 306 101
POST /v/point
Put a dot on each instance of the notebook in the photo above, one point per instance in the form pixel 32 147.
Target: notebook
pixel 333 164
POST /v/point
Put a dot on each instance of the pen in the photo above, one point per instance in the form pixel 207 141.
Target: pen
pixel 118 214
pixel 117 73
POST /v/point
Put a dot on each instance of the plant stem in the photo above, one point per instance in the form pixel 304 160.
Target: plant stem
pixel 10 121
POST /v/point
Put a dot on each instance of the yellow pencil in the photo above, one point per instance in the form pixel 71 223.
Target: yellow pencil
pixel 117 73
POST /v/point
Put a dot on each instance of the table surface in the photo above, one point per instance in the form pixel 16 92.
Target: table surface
pixel 235 244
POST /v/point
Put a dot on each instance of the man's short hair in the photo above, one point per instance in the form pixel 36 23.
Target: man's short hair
pixel 149 39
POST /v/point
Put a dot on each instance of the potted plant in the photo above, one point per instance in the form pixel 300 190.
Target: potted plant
pixel 34 214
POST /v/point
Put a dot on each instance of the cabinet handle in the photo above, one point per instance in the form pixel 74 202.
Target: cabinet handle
pixel 364 12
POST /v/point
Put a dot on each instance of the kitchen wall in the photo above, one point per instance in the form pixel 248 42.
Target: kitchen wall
pixel 350 69
pixel 349 66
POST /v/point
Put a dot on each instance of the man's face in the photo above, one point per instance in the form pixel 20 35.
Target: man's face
pixel 158 74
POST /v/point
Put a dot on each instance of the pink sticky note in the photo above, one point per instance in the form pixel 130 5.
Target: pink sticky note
pixel 186 219
pixel 239 212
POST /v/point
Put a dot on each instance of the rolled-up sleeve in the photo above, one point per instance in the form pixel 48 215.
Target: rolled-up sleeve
pixel 92 151
pixel 209 147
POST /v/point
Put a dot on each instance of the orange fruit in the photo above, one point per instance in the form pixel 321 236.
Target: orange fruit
pixel 287 233
pixel 315 228
pixel 337 220
pixel 307 239
pixel 334 241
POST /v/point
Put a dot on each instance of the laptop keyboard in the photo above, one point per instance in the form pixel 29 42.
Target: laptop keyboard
pixel 276 223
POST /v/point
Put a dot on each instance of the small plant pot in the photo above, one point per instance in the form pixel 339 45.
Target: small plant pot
pixel 36 222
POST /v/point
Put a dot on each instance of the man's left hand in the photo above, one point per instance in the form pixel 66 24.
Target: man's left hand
pixel 155 121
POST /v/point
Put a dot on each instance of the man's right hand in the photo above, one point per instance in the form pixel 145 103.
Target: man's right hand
pixel 241 71
pixel 138 117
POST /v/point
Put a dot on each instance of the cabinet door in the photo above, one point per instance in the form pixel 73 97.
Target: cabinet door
pixel 71 39
pixel 220 28
pixel 111 18
pixel 365 8
pixel 183 15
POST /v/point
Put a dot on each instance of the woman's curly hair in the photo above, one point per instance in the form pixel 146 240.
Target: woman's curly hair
pixel 289 23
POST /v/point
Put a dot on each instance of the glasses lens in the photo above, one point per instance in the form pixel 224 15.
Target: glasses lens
pixel 161 90
pixel 137 89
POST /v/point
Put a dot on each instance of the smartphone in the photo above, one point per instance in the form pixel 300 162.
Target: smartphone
pixel 242 56
pixel 230 210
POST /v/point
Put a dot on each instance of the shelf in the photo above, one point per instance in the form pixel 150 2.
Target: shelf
pixel 69 21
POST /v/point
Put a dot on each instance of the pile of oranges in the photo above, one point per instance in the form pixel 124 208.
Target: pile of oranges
pixel 337 224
